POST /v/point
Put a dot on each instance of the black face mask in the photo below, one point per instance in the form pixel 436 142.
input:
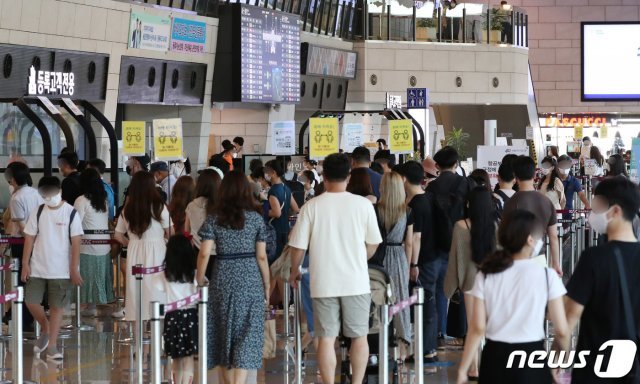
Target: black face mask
pixel 430 176
pixel 128 169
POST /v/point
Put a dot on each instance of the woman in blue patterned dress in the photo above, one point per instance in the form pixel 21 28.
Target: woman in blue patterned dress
pixel 238 280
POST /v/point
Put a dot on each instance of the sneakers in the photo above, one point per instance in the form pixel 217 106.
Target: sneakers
pixel 42 343
pixel 118 314
pixel 54 354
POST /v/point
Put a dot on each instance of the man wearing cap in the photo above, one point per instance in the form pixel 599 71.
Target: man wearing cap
pixel 166 181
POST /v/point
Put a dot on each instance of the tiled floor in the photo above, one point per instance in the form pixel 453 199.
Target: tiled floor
pixel 97 357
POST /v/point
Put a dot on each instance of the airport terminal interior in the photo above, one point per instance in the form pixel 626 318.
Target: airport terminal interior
pixel 236 120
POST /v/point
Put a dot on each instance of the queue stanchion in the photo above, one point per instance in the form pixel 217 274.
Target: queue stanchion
pixel 383 345
pixel 285 299
pixel 297 300
pixel 156 343
pixel 119 297
pixel 137 271
pixel 418 351
pixel 3 268
pixel 202 335
pixel 77 320
pixel 17 356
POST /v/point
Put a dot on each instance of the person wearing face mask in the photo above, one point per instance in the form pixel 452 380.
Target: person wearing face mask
pixel 550 185
pixel 53 233
pixel 605 275
pixel 308 179
pixel 227 153
pixel 505 280
pixel 570 183
pixel 164 179
pixel 71 185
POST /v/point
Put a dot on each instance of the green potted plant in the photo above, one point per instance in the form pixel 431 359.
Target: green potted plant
pixel 426 29
pixel 497 17
pixel 457 138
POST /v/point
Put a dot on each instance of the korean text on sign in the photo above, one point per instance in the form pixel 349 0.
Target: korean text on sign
pixel 167 139
pixel 51 83
pixel 323 137
pixel 133 138
pixel 401 136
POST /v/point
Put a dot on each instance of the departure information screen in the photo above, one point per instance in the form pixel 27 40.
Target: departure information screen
pixel 270 56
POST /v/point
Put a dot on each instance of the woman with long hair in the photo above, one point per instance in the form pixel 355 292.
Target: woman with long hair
pixel 239 281
pixel 95 259
pixel 511 295
pixel 309 181
pixel 281 204
pixel 181 196
pixel 360 184
pixel 145 220
pixel 473 239
pixel 617 166
pixel 396 228
pixel 551 185
pixel 481 178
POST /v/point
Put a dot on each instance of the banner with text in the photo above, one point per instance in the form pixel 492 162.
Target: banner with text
pixel 401 136
pixel 323 137
pixel 352 136
pixel 167 139
pixel 148 31
pixel 490 158
pixel 188 36
pixel 133 138
pixel 283 136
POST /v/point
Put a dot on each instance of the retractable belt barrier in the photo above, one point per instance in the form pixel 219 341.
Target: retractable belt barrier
pixel 157 313
pixel 573 226
pixel 16 299
pixel 139 271
pixel 386 315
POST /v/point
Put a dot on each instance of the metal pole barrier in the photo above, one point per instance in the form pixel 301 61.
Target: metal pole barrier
pixel 118 278
pixel 78 322
pixel 383 359
pixel 418 351
pixel 285 308
pixel 2 292
pixel 17 356
pixel 156 342
pixel 560 246
pixel 488 25
pixel 297 299
pixel 202 335
pixel 572 228
pixel 464 25
pixel 138 325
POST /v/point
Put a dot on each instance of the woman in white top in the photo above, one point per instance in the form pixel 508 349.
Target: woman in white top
pixel 145 219
pixel 197 211
pixel 512 293
pixel 550 184
pixel 95 259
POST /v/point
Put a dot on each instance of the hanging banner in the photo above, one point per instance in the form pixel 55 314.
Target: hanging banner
pixel 148 31
pixel 401 136
pixel 133 138
pixel 323 137
pixel 490 158
pixel 352 136
pixel 188 36
pixel 283 136
pixel 635 160
pixel 167 139
pixel 577 132
pixel 604 131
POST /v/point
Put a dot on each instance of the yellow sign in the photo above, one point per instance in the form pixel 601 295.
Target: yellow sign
pixel 604 131
pixel 323 137
pixel 133 138
pixel 401 136
pixel 577 132
pixel 167 139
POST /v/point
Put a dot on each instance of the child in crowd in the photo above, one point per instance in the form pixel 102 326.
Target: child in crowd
pixel 180 326
pixel 53 232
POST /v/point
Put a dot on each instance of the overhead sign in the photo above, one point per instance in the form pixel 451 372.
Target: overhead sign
pixel 604 131
pixel 635 159
pixel 49 83
pixel 569 120
pixel 133 138
pixel 490 158
pixel 353 136
pixel 394 101
pixel 332 62
pixel 283 134
pixel 167 139
pixel 188 36
pixel 323 137
pixel 401 136
pixel 148 31
pixel 577 131
pixel 417 98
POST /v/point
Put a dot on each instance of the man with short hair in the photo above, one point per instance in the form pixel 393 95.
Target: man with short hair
pixel 506 181
pixel 386 159
pixel 529 199
pixel 101 167
pixel 570 183
pixel 596 294
pixel 238 143
pixel 340 232
pixel 71 185
pixel 165 180
pixel 361 158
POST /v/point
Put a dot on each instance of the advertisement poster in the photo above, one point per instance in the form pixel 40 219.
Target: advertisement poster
pixel 283 136
pixel 490 158
pixel 133 138
pixel 352 136
pixel 167 139
pixel 635 159
pixel 188 36
pixel 323 137
pixel 577 132
pixel 149 31
pixel 604 131
pixel 401 136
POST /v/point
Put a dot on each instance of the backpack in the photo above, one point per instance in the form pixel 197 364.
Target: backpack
pixel 41 208
pixel 500 205
pixel 447 209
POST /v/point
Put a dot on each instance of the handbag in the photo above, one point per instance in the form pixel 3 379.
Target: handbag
pixel 457 316
pixel 634 376
pixel 281 268
pixel 269 348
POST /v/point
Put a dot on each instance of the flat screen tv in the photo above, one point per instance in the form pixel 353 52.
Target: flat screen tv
pixel 258 56
pixel 611 61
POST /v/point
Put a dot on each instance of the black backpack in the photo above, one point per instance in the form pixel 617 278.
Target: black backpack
pixel 500 205
pixel 447 209
pixel 39 213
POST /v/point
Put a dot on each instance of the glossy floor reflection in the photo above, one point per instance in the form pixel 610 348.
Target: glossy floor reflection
pixel 104 355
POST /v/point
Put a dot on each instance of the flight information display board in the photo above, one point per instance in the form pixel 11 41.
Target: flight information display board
pixel 270 56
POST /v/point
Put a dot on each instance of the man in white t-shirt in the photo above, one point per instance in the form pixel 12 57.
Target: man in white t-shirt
pixel 53 232
pixel 340 232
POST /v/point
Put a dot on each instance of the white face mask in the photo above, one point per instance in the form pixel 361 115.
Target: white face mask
pixel 235 155
pixel 599 221
pixel 545 171
pixel 11 189
pixel 537 248
pixel 53 201
pixel 563 171
pixel 267 177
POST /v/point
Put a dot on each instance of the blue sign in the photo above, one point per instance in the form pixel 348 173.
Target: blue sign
pixel 417 98
pixel 188 36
